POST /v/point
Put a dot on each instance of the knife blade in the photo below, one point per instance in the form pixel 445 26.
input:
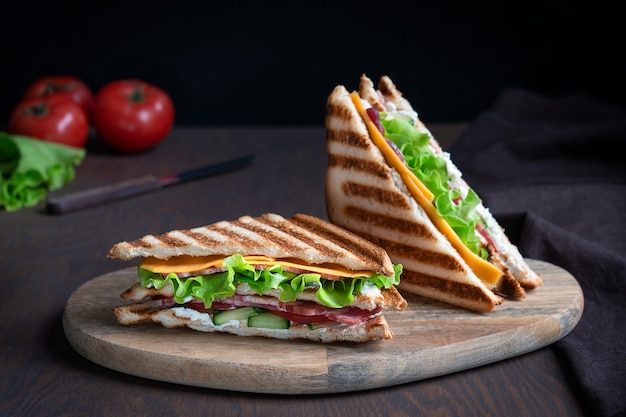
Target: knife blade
pixel 123 189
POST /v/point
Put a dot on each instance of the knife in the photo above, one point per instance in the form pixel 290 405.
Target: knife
pixel 127 188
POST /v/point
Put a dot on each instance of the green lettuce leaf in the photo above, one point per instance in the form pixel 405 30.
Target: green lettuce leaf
pixel 29 168
pixel 208 288
pixel 459 213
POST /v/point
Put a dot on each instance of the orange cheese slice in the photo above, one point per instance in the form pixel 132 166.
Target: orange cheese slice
pixel 483 269
pixel 186 263
pixel 390 155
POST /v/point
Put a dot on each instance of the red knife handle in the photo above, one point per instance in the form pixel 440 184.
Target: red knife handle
pixel 100 195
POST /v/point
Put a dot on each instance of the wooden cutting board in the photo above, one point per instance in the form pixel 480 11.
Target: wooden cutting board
pixel 430 339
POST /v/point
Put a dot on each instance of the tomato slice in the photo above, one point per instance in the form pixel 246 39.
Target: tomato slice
pixel 301 319
pixel 485 233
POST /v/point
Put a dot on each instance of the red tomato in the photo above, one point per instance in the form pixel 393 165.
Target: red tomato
pixel 132 115
pixel 53 118
pixel 73 87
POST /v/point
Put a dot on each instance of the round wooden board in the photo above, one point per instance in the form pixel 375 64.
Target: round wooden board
pixel 430 339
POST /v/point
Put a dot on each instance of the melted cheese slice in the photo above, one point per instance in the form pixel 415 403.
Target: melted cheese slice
pixel 187 263
pixel 483 269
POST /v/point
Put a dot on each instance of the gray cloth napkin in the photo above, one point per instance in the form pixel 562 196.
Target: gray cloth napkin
pixel 552 171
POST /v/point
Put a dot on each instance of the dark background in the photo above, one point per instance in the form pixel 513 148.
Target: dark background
pixel 262 63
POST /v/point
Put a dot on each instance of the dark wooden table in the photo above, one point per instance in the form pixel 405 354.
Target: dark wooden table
pixel 44 258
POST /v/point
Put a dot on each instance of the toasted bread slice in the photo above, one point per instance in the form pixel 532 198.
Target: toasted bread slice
pixel 365 195
pixel 303 237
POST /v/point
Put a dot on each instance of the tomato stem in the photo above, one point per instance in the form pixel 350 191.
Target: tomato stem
pixel 38 110
pixel 137 96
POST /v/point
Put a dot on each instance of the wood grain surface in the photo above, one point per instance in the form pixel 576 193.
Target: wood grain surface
pixel 430 339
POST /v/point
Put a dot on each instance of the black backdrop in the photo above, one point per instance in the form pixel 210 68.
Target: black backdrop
pixel 261 63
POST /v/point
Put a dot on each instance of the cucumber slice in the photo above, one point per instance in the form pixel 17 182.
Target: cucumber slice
pixel 315 326
pixel 268 320
pixel 241 313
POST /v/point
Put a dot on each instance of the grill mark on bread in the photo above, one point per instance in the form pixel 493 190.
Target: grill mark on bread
pixel 201 238
pixel 293 233
pixel 338 111
pixel 421 255
pixel 357 164
pixel 388 222
pixel 349 138
pixel 171 241
pixel 356 245
pixel 461 290
pixel 141 243
pixel 313 242
pixel 378 194
pixel 231 233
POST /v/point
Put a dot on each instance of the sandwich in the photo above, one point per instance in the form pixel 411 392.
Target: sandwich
pixel 287 278
pixel 389 181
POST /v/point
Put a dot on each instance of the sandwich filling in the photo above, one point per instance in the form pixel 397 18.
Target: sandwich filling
pixel 453 209
pixel 264 291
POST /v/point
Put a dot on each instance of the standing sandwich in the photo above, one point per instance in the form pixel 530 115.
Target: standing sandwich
pixel 389 181
pixel 295 278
